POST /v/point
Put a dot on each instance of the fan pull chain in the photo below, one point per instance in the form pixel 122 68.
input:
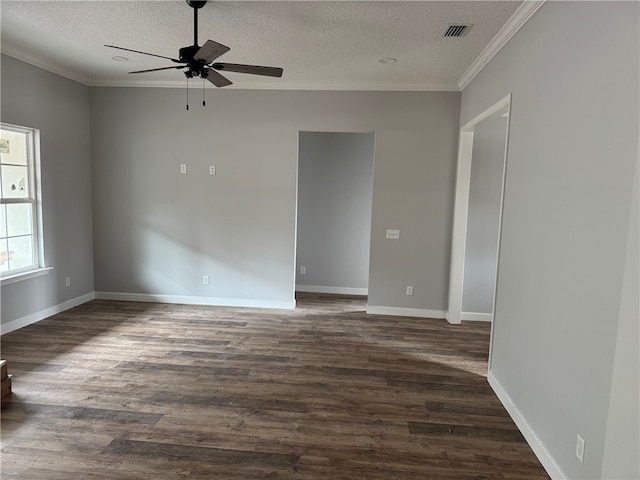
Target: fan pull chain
pixel 204 103
pixel 187 94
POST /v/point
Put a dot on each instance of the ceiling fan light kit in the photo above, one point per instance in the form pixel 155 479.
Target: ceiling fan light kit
pixel 198 60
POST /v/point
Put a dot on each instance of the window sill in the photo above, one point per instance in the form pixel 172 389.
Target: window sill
pixel 18 277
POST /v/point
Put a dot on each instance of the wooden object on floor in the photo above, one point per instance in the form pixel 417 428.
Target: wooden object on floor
pixel 5 379
pixel 6 387
pixel 123 390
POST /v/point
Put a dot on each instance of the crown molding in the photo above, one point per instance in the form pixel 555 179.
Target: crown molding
pixel 45 65
pixel 275 85
pixel 279 85
pixel 517 20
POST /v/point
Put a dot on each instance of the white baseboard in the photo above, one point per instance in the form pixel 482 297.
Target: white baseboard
pixel 193 300
pixel 47 312
pixel 538 447
pixel 334 290
pixel 476 317
pixel 406 312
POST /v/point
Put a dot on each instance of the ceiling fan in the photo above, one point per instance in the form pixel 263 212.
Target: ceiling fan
pixel 198 61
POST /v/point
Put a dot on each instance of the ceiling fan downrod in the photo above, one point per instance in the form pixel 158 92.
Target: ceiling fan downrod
pixel 196 5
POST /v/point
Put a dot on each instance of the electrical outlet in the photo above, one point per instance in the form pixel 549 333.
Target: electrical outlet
pixel 409 290
pixel 183 168
pixel 212 169
pixel 303 270
pixel 580 448
pixel 67 282
pixel 205 280
pixel 393 233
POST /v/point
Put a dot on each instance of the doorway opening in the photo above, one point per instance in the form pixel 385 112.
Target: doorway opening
pixel 333 220
pixel 482 155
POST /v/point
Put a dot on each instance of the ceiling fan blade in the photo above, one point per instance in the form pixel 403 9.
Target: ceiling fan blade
pixel 158 69
pixel 210 51
pixel 217 79
pixel 251 69
pixel 143 53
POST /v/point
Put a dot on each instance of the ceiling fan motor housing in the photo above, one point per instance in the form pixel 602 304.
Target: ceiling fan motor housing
pixel 197 68
pixel 198 60
pixel 196 3
pixel 186 53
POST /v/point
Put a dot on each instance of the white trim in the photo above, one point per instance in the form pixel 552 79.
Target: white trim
pixel 47 312
pixel 34 200
pixel 500 107
pixel 37 180
pixel 295 216
pixel 45 64
pixel 79 77
pixel 193 300
pixel 333 290
pixel 517 20
pixel 18 277
pixel 461 208
pixel 515 23
pixel 279 85
pixel 476 317
pixel 536 444
pixel 459 237
pixel 406 312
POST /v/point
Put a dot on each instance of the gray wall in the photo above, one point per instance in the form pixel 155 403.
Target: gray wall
pixel 573 140
pixel 335 194
pixel 59 108
pixel 623 426
pixel 158 231
pixel 483 222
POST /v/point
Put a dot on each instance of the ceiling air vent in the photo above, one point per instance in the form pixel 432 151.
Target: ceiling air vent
pixel 456 30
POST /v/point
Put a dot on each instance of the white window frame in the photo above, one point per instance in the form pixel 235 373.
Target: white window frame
pixel 35 199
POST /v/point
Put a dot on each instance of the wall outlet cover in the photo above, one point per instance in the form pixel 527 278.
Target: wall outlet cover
pixel 580 448
pixel 393 233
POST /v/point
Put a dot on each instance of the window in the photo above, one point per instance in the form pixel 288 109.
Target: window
pixel 20 219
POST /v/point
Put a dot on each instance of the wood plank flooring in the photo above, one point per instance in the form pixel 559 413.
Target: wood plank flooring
pixel 123 390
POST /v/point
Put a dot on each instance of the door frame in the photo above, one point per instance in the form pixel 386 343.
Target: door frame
pixel 334 290
pixel 461 207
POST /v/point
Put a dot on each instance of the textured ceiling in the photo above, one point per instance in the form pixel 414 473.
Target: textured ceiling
pixel 320 44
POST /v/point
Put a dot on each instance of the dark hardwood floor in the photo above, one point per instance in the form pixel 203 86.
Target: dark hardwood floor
pixel 123 390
